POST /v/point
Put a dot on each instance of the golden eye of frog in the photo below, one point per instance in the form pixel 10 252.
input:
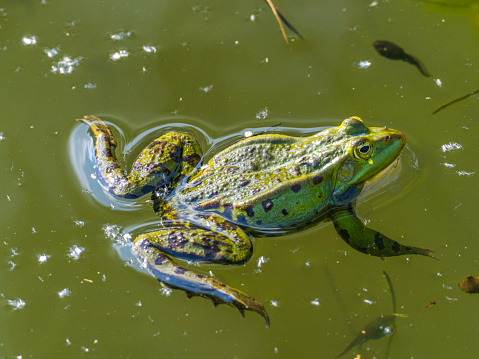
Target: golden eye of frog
pixel 260 184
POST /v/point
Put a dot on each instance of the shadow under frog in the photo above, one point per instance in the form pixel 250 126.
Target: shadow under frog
pixel 260 184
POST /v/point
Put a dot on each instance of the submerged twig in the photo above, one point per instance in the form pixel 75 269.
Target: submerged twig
pixel 454 101
pixel 281 19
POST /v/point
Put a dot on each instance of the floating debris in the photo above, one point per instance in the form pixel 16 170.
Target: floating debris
pixel 16 303
pixel 469 284
pixel 66 65
pixel 64 293
pixel 431 304
pixel 454 101
pixel 42 258
pixel 281 19
pixel 75 252
pixel 29 40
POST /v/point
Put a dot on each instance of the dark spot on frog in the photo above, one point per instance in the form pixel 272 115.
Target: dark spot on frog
pixel 296 187
pixel 255 191
pixel 267 205
pixel 259 223
pixel 192 160
pixel 111 167
pixel 179 270
pixel 284 212
pixel 378 241
pixel 251 149
pixel 176 240
pixel 208 205
pixel 243 183
pixel 159 260
pixel 106 152
pixel 250 211
pixel 231 169
pixel 317 180
pixel 193 199
pixel 156 143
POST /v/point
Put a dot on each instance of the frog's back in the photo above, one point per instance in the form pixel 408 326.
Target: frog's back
pixel 264 182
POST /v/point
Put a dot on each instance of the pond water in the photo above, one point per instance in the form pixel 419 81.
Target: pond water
pixel 216 69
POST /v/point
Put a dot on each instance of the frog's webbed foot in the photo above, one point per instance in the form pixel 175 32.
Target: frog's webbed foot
pixel 170 274
pixel 367 240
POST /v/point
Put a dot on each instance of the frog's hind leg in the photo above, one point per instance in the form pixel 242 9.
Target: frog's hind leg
pixel 367 240
pixel 194 244
pixel 167 159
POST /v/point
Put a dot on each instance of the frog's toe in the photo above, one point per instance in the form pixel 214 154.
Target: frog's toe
pixel 236 299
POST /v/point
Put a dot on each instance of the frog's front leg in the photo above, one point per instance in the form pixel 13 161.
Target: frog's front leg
pixel 167 159
pixel 367 240
pixel 199 245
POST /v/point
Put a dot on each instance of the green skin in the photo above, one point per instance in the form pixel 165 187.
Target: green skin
pixel 261 184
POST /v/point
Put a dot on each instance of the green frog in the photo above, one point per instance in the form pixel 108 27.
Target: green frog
pixel 261 184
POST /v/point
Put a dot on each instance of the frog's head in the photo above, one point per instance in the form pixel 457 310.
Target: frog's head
pixel 367 151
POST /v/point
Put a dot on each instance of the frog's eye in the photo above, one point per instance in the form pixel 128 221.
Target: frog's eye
pixel 363 150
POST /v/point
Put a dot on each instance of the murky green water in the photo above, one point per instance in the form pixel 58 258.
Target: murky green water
pixel 220 68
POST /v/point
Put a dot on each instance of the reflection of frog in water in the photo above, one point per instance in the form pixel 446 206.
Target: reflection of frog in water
pixel 260 184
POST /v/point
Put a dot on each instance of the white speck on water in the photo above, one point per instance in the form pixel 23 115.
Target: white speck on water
pixel 368 301
pixel 121 35
pixel 248 133
pixel 138 304
pixel 438 82
pixel 66 65
pixel 34 230
pixel 64 293
pixel 68 341
pixel 374 3
pixel 8 197
pixel 262 114
pixel 114 233
pixel 315 302
pixel 274 303
pixel 89 86
pixel 149 49
pixel 207 88
pixel 16 303
pixel 14 252
pixel 75 252
pixel 166 291
pixel 464 173
pixel 42 258
pixel 252 18
pixel 449 165
pixel 52 52
pixel 261 261
pixel 79 223
pixel 29 40
pixel 364 64
pixel 119 55
pixel 451 146
pixel 2 137
pixel 12 264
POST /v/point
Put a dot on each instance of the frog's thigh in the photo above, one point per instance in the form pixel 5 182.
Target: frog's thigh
pixel 200 245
